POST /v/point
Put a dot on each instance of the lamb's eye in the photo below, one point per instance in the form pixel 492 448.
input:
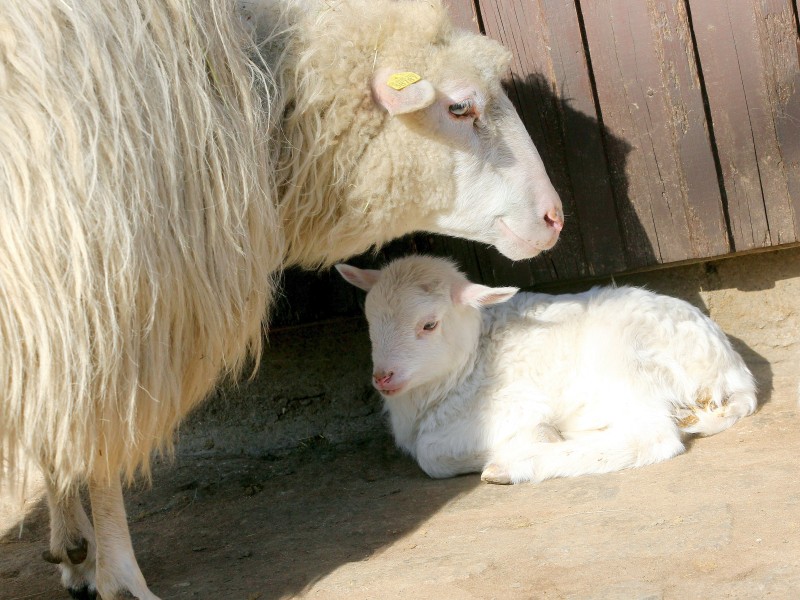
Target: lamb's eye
pixel 461 109
pixel 430 325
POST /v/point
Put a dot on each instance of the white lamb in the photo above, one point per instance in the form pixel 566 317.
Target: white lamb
pixel 543 386
pixel 161 160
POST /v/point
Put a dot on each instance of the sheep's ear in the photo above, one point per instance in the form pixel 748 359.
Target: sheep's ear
pixel 401 92
pixel 474 294
pixel 361 278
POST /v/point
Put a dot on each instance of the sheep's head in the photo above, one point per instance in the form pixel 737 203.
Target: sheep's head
pixel 369 157
pixel 424 320
pixel 502 194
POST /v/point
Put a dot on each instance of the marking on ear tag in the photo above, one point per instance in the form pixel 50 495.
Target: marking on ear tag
pixel 398 81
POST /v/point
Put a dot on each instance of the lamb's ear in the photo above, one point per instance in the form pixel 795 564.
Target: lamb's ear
pixel 474 294
pixel 401 92
pixel 361 278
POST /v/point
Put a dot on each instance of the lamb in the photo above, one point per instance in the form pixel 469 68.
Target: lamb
pixel 537 386
pixel 162 160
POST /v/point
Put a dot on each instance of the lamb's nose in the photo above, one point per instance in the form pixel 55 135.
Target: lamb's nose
pixel 382 378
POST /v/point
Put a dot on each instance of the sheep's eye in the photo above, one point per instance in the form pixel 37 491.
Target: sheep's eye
pixel 461 109
pixel 430 325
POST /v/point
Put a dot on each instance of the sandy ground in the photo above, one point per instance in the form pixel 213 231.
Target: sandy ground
pixel 361 521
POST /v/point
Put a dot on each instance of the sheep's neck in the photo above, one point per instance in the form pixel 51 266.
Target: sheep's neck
pixel 338 154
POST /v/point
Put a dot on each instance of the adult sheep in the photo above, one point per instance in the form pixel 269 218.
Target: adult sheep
pixel 162 159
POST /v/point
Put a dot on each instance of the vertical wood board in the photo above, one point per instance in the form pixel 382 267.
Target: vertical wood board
pixel 551 87
pixel 746 76
pixel 668 201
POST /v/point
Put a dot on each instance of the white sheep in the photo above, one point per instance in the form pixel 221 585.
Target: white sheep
pixel 162 159
pixel 543 386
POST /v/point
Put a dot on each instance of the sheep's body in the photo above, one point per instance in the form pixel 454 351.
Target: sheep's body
pixel 160 163
pixel 548 386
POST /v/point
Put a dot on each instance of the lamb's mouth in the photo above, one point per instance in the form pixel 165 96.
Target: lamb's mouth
pixel 390 391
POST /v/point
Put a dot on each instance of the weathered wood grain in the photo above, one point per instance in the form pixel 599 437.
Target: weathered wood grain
pixel 780 47
pixel 668 199
pixel 750 75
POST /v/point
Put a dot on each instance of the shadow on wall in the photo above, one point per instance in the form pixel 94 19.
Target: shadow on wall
pixel 587 165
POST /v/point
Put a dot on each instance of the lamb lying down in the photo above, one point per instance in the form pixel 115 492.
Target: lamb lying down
pixel 538 386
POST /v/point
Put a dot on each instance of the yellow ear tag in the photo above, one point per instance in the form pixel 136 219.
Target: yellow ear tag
pixel 398 81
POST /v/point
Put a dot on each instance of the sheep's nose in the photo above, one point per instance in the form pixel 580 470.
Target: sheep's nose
pixel 382 378
pixel 554 218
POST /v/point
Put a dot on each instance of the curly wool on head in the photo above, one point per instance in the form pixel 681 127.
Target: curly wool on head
pixel 350 177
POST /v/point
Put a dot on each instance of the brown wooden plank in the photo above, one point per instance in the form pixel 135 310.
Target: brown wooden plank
pixel 776 21
pixel 743 49
pixel 463 14
pixel 666 189
pixel 583 146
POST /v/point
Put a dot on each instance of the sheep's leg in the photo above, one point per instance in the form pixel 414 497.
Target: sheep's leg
pixel 118 573
pixel 604 451
pixel 72 542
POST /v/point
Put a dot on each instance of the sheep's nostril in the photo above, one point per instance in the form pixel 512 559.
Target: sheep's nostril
pixel 554 219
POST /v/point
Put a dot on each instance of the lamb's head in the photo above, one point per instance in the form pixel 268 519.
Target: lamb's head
pixel 424 320
pixel 440 150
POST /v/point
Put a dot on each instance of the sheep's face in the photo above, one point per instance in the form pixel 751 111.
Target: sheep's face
pixel 424 322
pixel 502 194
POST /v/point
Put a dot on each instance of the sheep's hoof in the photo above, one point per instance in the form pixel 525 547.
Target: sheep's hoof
pixel 494 473
pixel 78 555
pixel 82 593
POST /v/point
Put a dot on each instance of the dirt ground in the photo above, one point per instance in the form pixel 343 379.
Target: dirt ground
pixel 359 520
pixel 347 516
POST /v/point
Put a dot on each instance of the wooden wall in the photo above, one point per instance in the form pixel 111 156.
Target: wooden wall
pixel 671 128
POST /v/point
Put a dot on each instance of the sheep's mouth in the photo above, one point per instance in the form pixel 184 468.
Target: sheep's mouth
pixel 527 245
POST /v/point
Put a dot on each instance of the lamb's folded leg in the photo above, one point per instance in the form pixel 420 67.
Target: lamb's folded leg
pixel 118 573
pixel 72 542
pixel 512 449
pixel 601 451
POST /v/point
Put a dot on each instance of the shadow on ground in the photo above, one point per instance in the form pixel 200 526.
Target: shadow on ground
pixel 248 528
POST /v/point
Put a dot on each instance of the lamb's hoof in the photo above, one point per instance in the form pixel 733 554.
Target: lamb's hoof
pixel 48 556
pixel 78 555
pixel 494 473
pixel 84 593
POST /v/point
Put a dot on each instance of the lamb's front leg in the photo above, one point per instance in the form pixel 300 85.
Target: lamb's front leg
pixel 72 542
pixel 516 448
pixel 118 573
pixel 452 449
